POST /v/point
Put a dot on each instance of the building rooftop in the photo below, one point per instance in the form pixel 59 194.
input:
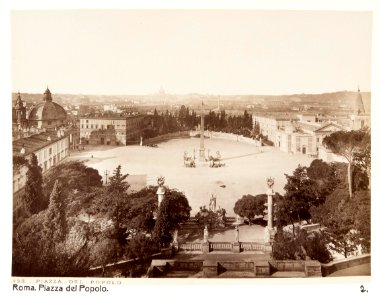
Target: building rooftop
pixel 308 126
pixel 277 116
pixel 35 142
pixel 107 117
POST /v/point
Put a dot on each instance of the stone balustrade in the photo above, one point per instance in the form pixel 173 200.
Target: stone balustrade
pixel 248 246
pixel 224 246
pixel 220 246
pixel 190 247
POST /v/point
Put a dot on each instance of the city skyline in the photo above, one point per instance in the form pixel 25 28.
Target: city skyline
pixel 128 52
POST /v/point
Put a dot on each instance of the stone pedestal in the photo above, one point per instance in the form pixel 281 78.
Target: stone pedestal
pixel 206 247
pixel 202 157
pixel 236 247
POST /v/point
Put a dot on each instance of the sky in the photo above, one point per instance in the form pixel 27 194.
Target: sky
pixel 190 51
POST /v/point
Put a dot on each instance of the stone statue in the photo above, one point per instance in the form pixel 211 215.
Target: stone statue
pixel 160 190
pixel 161 181
pixel 236 234
pixel 205 234
pixel 270 182
pixel 175 236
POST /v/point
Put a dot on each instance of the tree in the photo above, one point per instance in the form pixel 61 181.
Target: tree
pixel 307 187
pixel 106 250
pixel 74 176
pixel 347 144
pixel 162 228
pixel 40 240
pixel 362 159
pixel 139 211
pixel 301 246
pixel 300 194
pixel 55 223
pixel 27 247
pixel 117 183
pixel 173 210
pixel 347 224
pixel 249 206
pixel 285 247
pixel 19 161
pixel 324 176
pixel 33 196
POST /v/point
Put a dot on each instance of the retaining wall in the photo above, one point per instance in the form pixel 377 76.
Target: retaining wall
pixel 334 266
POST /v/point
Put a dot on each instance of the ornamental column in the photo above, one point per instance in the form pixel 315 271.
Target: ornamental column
pixel 269 230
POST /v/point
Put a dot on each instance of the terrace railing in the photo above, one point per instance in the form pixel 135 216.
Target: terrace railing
pixel 190 247
pixel 220 246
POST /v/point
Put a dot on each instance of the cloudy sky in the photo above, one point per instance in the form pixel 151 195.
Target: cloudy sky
pixel 185 51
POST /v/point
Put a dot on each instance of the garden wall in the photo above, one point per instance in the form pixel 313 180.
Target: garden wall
pixel 334 266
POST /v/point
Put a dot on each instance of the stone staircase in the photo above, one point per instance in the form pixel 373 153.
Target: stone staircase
pixel 172 268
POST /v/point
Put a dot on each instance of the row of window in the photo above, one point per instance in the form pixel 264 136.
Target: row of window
pixel 92 126
pixel 49 151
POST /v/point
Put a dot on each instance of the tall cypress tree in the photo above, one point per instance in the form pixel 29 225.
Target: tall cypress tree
pixel 33 196
pixel 55 223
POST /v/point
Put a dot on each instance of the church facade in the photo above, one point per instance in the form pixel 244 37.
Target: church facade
pixel 46 115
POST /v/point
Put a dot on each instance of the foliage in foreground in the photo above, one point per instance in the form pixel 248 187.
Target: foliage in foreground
pixel 302 246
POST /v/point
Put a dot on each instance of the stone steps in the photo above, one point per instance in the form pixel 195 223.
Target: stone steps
pixel 282 274
pixel 181 274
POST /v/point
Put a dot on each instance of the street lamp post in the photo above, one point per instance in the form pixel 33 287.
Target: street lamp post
pixel 106 173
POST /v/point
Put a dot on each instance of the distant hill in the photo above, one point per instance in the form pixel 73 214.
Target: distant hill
pixel 335 100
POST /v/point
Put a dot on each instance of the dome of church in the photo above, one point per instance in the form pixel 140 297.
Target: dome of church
pixel 47 110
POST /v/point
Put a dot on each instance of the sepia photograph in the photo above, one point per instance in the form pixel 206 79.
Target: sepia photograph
pixel 192 144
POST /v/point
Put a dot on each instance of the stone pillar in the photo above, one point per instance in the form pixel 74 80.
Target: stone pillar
pixel 269 231
pixel 270 208
pixel 160 195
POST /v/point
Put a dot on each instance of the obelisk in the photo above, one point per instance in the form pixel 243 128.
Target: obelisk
pixel 202 146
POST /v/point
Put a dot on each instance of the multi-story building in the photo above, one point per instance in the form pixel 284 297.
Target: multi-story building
pixel 269 124
pixel 111 130
pixel 49 147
